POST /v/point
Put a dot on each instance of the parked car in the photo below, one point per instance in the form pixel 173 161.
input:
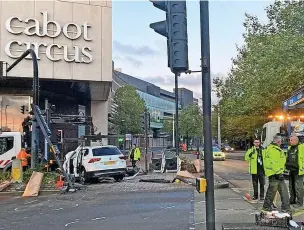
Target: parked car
pixel 217 154
pixel 87 163
pixel 227 148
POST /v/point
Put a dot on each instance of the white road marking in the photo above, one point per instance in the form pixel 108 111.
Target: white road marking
pixel 29 202
pixel 203 222
pixel 73 222
pixel 99 218
pixel 202 201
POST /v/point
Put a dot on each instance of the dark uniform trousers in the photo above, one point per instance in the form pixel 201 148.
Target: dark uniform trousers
pixel 296 188
pixel 256 179
pixel 276 185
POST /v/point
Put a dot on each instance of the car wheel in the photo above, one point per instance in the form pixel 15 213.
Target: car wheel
pixel 118 178
pixel 83 177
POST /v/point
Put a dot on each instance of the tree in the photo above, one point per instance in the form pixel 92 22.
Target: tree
pixel 168 127
pixel 266 70
pixel 191 122
pixel 128 110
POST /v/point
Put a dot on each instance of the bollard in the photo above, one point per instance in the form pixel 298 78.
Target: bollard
pixel 17 171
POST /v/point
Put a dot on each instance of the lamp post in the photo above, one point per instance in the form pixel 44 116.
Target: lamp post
pixel 1 111
pixel 5 115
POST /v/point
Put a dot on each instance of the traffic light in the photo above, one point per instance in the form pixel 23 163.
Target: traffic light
pixel 142 122
pixel 174 28
pixel 59 136
pixel 22 109
pixel 145 121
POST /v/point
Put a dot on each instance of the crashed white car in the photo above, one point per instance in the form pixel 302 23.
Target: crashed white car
pixel 87 163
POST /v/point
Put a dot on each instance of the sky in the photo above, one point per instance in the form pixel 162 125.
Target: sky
pixel 142 53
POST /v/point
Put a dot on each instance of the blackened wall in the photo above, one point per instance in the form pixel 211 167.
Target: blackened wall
pixel 65 95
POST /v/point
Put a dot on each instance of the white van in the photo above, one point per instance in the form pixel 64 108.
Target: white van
pixel 10 146
pixel 272 128
pixel 86 163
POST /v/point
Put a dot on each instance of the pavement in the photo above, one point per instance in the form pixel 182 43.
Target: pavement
pixel 229 208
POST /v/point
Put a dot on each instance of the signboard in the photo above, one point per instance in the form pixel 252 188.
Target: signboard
pixel 53 51
pixel 294 100
pixel 128 137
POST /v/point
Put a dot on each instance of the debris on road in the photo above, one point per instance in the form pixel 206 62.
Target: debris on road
pixel 33 186
pixel 4 185
pixel 155 180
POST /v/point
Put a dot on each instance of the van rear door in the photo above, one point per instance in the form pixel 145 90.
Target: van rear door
pixel 7 149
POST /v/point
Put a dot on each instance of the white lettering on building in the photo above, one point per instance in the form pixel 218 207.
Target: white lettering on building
pixel 54 52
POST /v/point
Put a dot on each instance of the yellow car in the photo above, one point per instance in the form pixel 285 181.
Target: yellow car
pixel 217 154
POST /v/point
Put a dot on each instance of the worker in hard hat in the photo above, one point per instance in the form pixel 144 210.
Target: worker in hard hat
pixel 23 156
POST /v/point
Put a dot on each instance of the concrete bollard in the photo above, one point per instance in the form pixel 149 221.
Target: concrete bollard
pixel 17 171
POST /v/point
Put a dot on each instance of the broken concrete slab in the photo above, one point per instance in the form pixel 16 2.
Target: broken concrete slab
pixel 33 186
pixel 4 185
pixel 185 174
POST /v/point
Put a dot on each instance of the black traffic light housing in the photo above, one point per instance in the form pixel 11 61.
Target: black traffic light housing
pixel 23 109
pixel 145 121
pixel 59 136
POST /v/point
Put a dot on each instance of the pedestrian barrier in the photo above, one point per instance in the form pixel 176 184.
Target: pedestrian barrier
pixel 158 162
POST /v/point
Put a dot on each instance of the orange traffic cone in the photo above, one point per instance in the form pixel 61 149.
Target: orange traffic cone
pixel 59 184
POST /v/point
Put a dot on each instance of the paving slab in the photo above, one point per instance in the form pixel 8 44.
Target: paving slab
pixel 230 208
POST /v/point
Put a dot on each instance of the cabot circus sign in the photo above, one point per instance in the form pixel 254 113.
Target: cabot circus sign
pixel 50 29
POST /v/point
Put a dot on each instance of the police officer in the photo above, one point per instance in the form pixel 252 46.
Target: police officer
pixel 255 156
pixel 295 165
pixel 134 155
pixel 274 166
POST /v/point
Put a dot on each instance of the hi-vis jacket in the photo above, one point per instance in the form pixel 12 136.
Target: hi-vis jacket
pixel 137 153
pixel 253 160
pixel 300 158
pixel 275 160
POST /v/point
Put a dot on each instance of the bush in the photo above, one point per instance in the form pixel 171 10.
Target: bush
pixel 4 176
pixel 48 177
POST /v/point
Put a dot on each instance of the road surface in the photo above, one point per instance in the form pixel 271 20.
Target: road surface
pixel 88 210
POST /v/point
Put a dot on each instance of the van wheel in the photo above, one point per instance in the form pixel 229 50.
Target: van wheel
pixel 83 177
pixel 118 178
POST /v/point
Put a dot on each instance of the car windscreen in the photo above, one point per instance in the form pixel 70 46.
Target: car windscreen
pixel 215 149
pixel 105 151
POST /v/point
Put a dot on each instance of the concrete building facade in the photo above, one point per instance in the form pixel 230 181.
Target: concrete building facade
pixel 72 40
pixel 160 103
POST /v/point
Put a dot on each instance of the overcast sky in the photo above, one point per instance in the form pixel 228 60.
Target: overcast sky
pixel 142 53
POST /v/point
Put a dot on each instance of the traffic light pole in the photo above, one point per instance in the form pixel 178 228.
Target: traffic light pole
pixel 146 141
pixel 35 137
pixel 176 115
pixel 206 92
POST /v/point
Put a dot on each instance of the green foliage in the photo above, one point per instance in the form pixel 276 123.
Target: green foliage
pixel 48 177
pixel 4 176
pixel 168 127
pixel 191 122
pixel 129 108
pixel 267 69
